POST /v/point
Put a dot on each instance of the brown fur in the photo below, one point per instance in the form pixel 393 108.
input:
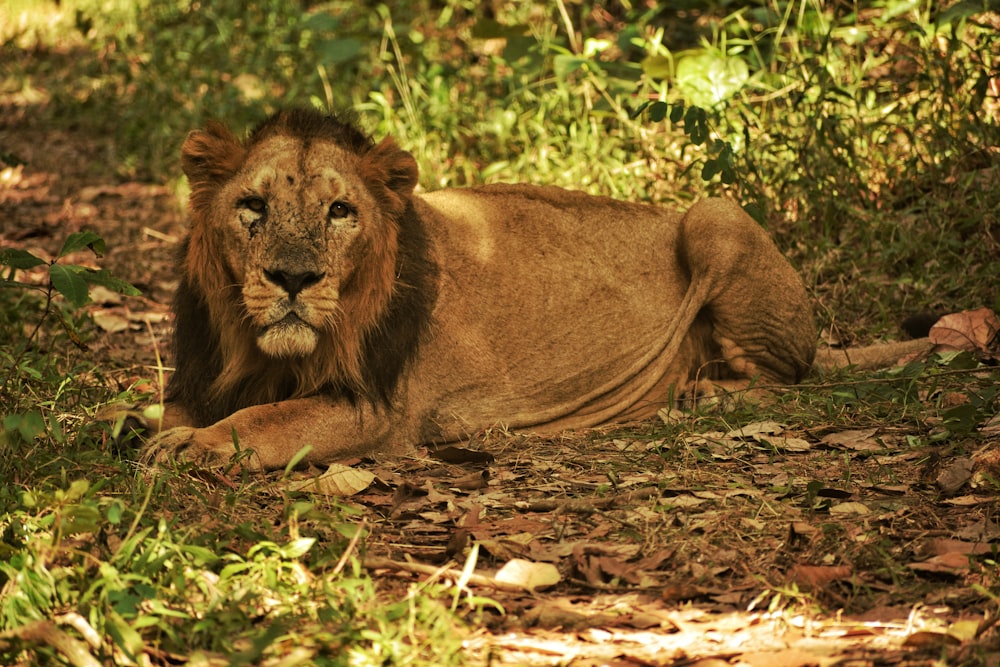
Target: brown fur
pixel 323 304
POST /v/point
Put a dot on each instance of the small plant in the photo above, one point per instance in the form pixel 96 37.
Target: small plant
pixel 72 282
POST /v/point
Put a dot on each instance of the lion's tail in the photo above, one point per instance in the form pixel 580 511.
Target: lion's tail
pixel 882 355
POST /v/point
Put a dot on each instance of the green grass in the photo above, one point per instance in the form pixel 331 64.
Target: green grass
pixel 865 142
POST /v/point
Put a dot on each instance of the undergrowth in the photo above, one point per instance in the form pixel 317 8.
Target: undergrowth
pixel 862 135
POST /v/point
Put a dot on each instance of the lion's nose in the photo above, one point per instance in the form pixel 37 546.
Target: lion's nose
pixel 293 283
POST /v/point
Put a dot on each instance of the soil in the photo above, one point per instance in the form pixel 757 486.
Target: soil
pixel 661 544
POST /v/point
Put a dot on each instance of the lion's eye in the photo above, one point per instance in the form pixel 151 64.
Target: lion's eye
pixel 339 210
pixel 254 204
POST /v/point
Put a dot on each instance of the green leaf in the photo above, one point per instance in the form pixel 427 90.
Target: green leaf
pixel 19 259
pixel 709 77
pixel 123 635
pixel 657 67
pixel 564 65
pixel 81 240
pixel 69 283
pixel 486 28
pixel 658 111
pixel 637 111
pixel 336 51
pixel 710 169
pixel 104 278
pixel 297 548
pixel 28 425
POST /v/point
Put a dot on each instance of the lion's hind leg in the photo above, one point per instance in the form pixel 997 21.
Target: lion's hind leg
pixel 755 302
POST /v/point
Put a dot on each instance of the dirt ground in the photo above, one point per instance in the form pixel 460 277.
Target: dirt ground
pixel 689 543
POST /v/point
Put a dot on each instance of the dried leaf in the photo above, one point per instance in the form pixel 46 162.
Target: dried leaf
pixel 672 416
pixel 944 546
pixel 967 501
pixel 858 441
pixel 789 657
pixel 950 563
pixel 818 576
pixel 930 638
pixel 528 575
pixel 338 480
pixel 850 509
pixel 471 482
pixel 971 330
pixel 792 444
pixel 757 429
pixel 954 477
pixel 110 320
pixel 104 296
pixel 964 630
pixel 992 426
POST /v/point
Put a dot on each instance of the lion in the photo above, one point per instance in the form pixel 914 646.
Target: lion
pixel 324 306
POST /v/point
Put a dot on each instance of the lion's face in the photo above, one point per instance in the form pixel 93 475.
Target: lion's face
pixel 303 225
pixel 296 220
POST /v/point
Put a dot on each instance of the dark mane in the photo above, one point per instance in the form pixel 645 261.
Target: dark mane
pixel 393 344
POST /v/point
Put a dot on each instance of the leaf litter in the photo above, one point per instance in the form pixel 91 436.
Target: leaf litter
pixel 626 546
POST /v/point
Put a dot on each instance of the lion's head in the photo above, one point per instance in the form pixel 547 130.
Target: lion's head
pixel 302 246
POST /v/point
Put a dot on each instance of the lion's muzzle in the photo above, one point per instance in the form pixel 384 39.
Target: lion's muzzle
pixel 293 282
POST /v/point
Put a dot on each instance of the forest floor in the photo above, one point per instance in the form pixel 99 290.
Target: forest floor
pixel 755 539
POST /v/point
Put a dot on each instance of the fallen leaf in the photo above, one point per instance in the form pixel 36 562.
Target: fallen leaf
pixel 338 480
pixel 950 563
pixel 528 575
pixel 954 477
pixel 850 509
pixel 929 638
pixel 970 330
pixel 967 501
pixel 563 615
pixel 856 440
pixel 818 576
pixel 943 545
pixel 104 296
pixel 789 657
pixel 964 630
pixel 110 320
pixel 756 429
pixel 792 444
pixel 471 482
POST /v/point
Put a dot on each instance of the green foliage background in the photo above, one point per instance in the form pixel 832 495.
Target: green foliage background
pixel 843 127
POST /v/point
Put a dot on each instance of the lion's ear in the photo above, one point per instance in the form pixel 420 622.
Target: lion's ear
pixel 209 157
pixel 391 173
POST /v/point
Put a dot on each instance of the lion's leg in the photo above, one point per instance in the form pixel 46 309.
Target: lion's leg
pixel 275 432
pixel 758 308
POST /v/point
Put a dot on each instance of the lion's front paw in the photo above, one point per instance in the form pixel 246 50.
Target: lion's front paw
pixel 183 443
